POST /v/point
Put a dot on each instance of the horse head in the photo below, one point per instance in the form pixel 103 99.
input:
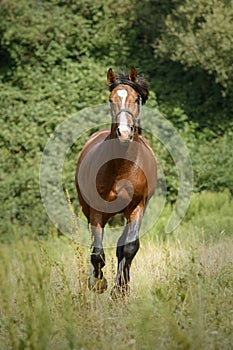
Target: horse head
pixel 127 94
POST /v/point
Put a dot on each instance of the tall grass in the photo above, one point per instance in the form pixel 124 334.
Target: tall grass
pixel 181 292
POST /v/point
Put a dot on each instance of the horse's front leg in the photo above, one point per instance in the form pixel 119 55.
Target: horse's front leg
pixel 97 282
pixel 127 247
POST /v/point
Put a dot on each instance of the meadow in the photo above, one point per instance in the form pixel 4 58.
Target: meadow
pixel 54 58
pixel 181 289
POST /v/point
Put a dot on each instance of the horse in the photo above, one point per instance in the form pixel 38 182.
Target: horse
pixel 116 173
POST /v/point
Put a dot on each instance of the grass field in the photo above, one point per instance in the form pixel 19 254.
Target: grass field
pixel 181 290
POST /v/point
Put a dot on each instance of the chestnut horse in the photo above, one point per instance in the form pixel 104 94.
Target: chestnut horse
pixel 116 173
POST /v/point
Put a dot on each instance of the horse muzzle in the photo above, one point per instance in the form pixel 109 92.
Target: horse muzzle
pixel 125 134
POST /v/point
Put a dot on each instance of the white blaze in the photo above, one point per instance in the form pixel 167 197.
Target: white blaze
pixel 123 120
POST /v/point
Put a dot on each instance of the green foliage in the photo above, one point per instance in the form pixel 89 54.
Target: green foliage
pixel 28 119
pixel 199 33
pixel 193 54
pixel 212 162
pixel 211 212
pixel 54 56
pixel 195 92
pixel 49 32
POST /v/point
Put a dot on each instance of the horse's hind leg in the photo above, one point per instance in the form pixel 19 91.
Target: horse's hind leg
pixel 127 247
pixel 97 282
pixel 125 255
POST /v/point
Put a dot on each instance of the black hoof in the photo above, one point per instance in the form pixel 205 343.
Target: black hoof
pixel 97 285
pixel 120 293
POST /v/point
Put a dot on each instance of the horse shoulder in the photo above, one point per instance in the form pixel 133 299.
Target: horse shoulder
pixel 95 139
pixel 144 141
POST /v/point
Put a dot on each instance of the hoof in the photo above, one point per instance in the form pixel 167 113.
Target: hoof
pixel 120 293
pixel 97 285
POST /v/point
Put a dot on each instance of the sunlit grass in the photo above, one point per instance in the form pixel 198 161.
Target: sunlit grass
pixel 186 295
pixel 181 293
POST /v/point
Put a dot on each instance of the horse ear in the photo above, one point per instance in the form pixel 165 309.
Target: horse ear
pixel 133 75
pixel 111 78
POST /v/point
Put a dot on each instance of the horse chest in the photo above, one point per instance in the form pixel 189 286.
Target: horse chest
pixel 121 187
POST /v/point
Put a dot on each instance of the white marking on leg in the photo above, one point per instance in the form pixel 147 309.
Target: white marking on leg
pixel 92 276
pixel 120 272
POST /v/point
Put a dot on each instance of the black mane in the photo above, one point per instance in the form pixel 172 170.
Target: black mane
pixel 141 86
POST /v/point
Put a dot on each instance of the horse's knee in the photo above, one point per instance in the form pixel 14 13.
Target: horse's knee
pixel 130 249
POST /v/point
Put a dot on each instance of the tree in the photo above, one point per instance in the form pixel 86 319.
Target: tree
pixel 199 33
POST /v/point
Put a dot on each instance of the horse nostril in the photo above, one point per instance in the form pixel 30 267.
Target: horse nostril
pixel 118 131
